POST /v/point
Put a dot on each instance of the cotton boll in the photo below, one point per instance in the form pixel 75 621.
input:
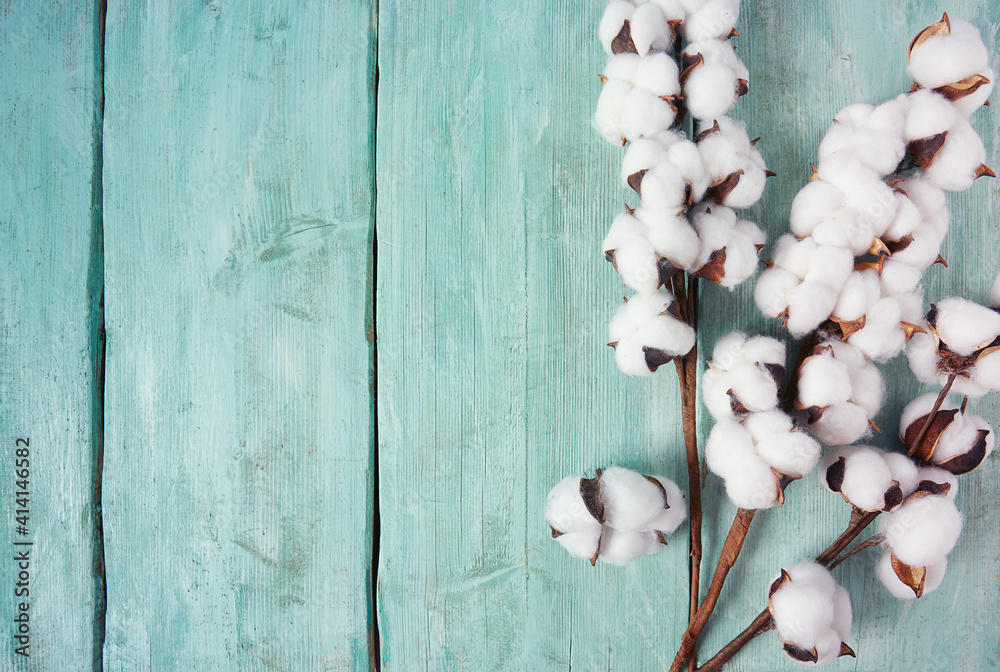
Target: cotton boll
pixel 858 294
pixel 956 164
pixel 631 500
pixel 642 323
pixel 565 510
pixel 809 304
pixel 823 381
pixel 644 114
pixel 710 91
pixel 669 519
pixel 715 396
pixel 802 612
pixel 610 107
pixel 730 351
pixel 960 436
pixel 902 470
pixel 862 187
pixel 922 530
pixel 650 30
pixel 921 353
pixel 713 20
pixel 753 487
pixel 729 446
pixel 686 156
pixel 581 544
pixel 965 326
pixel 749 188
pixel 764 350
pixel 663 187
pixel 845 228
pixel 672 10
pixel 842 615
pixel 717 52
pixel 792 453
pixel 634 257
pixel 872 138
pixel 943 59
pixel 929 114
pixel 754 387
pixel 932 579
pixel 986 374
pixel 881 338
pixel 811 206
pixel 671 236
pixel 658 75
pixel 907 218
pixel 794 255
pixel 866 478
pixel 900 280
pixel 831 266
pixel 620 547
pixel 969 104
pixel 642 154
pixel 766 424
pixel 615 15
pixel 772 290
pixel 867 389
pixel 923 250
pixel 929 199
pixel 840 424
pixel 920 406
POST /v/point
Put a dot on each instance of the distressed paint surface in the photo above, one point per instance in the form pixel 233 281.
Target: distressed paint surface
pixel 493 300
pixel 238 199
pixel 49 296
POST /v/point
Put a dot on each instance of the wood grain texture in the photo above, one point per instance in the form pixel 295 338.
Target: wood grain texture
pixel 49 296
pixel 493 300
pixel 238 473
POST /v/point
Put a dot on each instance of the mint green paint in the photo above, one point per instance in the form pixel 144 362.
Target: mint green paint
pixel 493 300
pixel 239 162
pixel 238 200
pixel 49 297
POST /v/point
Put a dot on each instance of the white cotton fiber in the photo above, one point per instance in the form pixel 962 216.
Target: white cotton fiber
pixel 615 15
pixel 965 326
pixel 923 530
pixel 907 219
pixel 710 91
pixel 823 381
pixel 643 154
pixel 900 280
pixel 664 187
pixel 633 255
pixel 650 31
pixel 754 487
pixel 846 228
pixel 793 255
pixel 727 151
pixel 581 544
pixel 944 59
pixel 620 547
pixel 644 114
pixel 929 114
pixel 631 500
pixel 866 479
pixel 830 266
pixel 922 356
pixel 711 20
pixel 792 453
pixel 669 519
pixel 658 75
pixel 932 579
pixel 995 293
pixel 671 236
pixel 565 510
pixel 986 374
pixel 730 454
pixel 861 290
pixel 772 290
pixel 869 135
pixel 811 206
pixel 811 611
pixel 863 188
pixel 956 163
pixel 902 470
pixel 610 106
pixel 920 406
pixel 882 338
pixel 642 323
pixel 841 424
pixel 754 387
pixel 764 350
pixel 672 10
pixel 809 304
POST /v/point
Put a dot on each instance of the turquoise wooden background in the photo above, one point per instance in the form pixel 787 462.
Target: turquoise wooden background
pixel 256 192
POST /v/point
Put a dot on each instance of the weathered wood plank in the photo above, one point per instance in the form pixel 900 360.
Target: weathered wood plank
pixel 493 298
pixel 50 283
pixel 238 478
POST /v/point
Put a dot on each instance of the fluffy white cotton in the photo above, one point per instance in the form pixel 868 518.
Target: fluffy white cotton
pixel 866 476
pixel 902 470
pixel 671 236
pixel 872 136
pixel 648 28
pixel 923 530
pixel 969 104
pixel 945 59
pixel 772 290
pixel 965 326
pixel 718 228
pixel 643 324
pixel 928 114
pixel 669 519
pixel 823 381
pixel 631 104
pixel 932 579
pixel 581 544
pixel 741 367
pixel 809 304
pixel 811 611
pixel 793 453
pixel 711 20
pixel 995 293
pixel 841 424
pixel 565 510
pixel 710 91
pixel 671 154
pixel 861 291
pixel 862 187
pixel 730 454
pixel 960 437
pixel 812 205
pixel 631 500
pixel 956 164
pixel 620 547
pixel 726 152
pixel 627 246
pixel 941 477
pixel 882 337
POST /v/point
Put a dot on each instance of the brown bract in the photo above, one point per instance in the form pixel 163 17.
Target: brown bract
pixel 942 27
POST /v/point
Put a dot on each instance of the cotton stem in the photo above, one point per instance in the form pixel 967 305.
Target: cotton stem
pixel 730 552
